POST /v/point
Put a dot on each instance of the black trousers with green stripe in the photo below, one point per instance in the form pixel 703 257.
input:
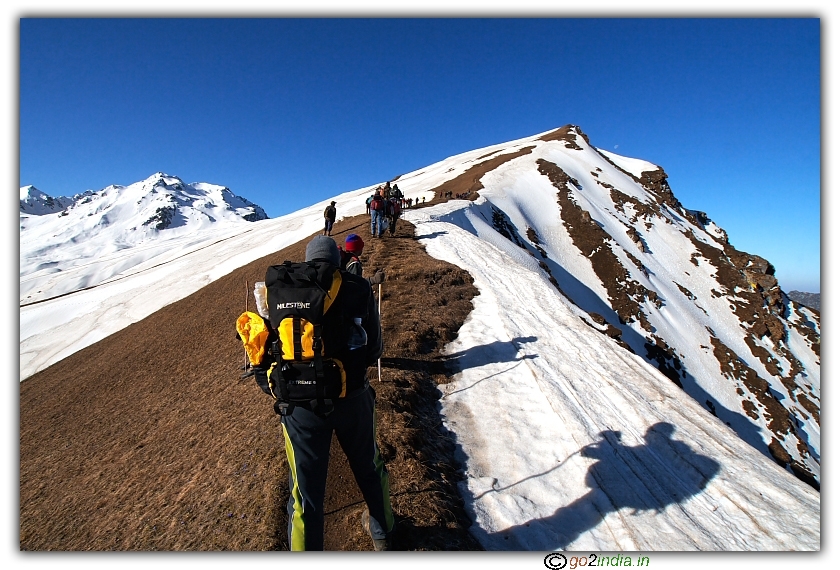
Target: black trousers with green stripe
pixel 308 437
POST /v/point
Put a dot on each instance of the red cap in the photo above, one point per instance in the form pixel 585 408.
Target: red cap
pixel 354 244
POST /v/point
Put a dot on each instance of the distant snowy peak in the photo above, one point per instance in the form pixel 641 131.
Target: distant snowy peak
pixel 163 201
pixel 245 209
pixel 171 203
pixel 59 237
pixel 37 203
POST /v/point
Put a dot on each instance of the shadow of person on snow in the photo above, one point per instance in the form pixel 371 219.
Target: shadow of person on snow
pixel 432 235
pixel 495 352
pixel 649 477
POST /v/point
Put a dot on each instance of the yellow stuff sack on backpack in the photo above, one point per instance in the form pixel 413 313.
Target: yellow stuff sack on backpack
pixel 254 334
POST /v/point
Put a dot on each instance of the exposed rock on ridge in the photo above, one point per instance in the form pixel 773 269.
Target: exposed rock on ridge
pixel 771 382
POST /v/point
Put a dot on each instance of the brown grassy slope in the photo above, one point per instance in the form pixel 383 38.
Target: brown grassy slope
pixel 149 440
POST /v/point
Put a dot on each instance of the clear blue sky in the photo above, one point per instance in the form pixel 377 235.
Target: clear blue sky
pixel 287 112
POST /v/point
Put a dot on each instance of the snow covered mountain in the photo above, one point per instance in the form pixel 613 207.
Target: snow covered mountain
pixel 36 203
pixel 69 235
pixel 607 309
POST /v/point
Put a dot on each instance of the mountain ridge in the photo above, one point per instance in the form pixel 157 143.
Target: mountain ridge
pixel 811 300
pixel 618 251
pixel 69 232
pixel 746 281
pixel 621 216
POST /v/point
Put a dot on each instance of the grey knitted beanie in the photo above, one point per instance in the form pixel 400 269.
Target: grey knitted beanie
pixel 323 248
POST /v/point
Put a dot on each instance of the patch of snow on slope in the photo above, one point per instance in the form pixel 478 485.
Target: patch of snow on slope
pixel 571 442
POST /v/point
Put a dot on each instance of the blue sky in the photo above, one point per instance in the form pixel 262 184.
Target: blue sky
pixel 287 112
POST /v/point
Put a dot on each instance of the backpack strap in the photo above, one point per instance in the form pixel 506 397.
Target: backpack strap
pixel 320 402
pixel 318 359
pixel 297 333
pixel 351 266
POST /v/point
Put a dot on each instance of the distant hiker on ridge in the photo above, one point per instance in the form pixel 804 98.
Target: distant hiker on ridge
pixel 329 218
pixel 393 211
pixel 378 221
pixel 397 193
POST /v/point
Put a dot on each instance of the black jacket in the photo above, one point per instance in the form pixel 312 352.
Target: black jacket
pixel 354 299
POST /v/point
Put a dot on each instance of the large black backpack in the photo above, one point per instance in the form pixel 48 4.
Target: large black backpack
pixel 305 369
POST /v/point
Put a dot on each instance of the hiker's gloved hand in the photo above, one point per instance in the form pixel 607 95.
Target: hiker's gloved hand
pixel 378 277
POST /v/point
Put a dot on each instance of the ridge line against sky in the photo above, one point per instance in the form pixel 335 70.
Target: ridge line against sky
pixel 730 108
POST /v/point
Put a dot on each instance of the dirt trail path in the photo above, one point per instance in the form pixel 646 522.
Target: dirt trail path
pixel 149 440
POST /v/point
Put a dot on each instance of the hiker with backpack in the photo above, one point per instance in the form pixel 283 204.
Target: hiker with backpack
pixel 393 212
pixel 324 332
pixel 350 262
pixel 397 193
pixel 329 218
pixel 378 221
pixel 353 246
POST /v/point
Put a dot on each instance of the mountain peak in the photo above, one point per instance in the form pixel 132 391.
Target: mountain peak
pixel 29 192
pixel 64 232
pixel 36 203
pixel 162 179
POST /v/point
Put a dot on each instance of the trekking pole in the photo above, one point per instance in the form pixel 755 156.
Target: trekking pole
pixel 379 360
pixel 246 310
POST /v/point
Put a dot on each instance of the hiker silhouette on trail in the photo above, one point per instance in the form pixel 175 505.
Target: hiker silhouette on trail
pixel 392 213
pixel 329 219
pixel 378 218
pixel 397 193
pixel 649 477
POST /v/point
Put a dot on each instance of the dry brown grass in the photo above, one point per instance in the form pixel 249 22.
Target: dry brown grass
pixel 149 439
